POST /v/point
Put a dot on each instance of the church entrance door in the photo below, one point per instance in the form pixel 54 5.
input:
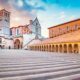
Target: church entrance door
pixel 17 44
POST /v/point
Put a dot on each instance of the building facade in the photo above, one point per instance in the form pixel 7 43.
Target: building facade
pixel 64 38
pixel 15 37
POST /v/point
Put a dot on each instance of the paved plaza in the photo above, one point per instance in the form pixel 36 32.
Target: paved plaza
pixel 34 65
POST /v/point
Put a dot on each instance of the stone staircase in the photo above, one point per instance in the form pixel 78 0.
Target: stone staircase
pixel 31 65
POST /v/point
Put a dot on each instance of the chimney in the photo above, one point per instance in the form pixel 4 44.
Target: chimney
pixel 31 21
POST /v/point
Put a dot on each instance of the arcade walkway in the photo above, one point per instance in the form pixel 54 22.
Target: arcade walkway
pixel 34 65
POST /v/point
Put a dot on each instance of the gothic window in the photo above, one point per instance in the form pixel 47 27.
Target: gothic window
pixel 36 24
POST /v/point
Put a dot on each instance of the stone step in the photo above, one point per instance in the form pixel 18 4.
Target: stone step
pixel 70 77
pixel 42 75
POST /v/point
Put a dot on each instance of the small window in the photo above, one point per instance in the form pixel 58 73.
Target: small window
pixel 36 24
pixel 76 27
pixel 10 32
pixel 17 31
pixel 67 28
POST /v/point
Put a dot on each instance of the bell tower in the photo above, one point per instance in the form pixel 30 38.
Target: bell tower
pixel 4 22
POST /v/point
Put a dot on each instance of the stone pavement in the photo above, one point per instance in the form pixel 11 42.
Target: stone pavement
pixel 34 65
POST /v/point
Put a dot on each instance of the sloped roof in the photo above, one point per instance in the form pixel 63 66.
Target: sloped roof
pixel 69 37
pixel 64 23
pixel 35 41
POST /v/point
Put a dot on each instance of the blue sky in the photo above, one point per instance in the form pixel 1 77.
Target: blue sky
pixel 49 12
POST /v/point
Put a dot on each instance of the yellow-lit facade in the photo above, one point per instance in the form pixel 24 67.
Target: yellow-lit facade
pixel 63 38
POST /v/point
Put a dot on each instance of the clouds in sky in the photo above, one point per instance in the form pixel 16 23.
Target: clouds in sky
pixel 49 12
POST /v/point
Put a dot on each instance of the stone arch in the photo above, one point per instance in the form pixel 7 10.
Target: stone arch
pixel 17 44
pixel 52 48
pixel 33 47
pixel 65 48
pixel 44 48
pixel 76 48
pixel 40 47
pixel 60 48
pixel 48 48
pixel 56 48
pixel 36 48
pixel 70 48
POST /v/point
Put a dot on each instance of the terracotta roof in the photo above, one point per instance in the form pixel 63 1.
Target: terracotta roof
pixel 20 26
pixel 64 23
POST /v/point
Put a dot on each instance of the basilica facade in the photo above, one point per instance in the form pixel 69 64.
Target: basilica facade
pixel 63 38
pixel 17 37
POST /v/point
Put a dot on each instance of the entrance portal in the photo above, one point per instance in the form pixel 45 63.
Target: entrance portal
pixel 17 44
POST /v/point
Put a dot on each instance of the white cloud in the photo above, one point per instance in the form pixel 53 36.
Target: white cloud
pixel 35 3
pixel 20 3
